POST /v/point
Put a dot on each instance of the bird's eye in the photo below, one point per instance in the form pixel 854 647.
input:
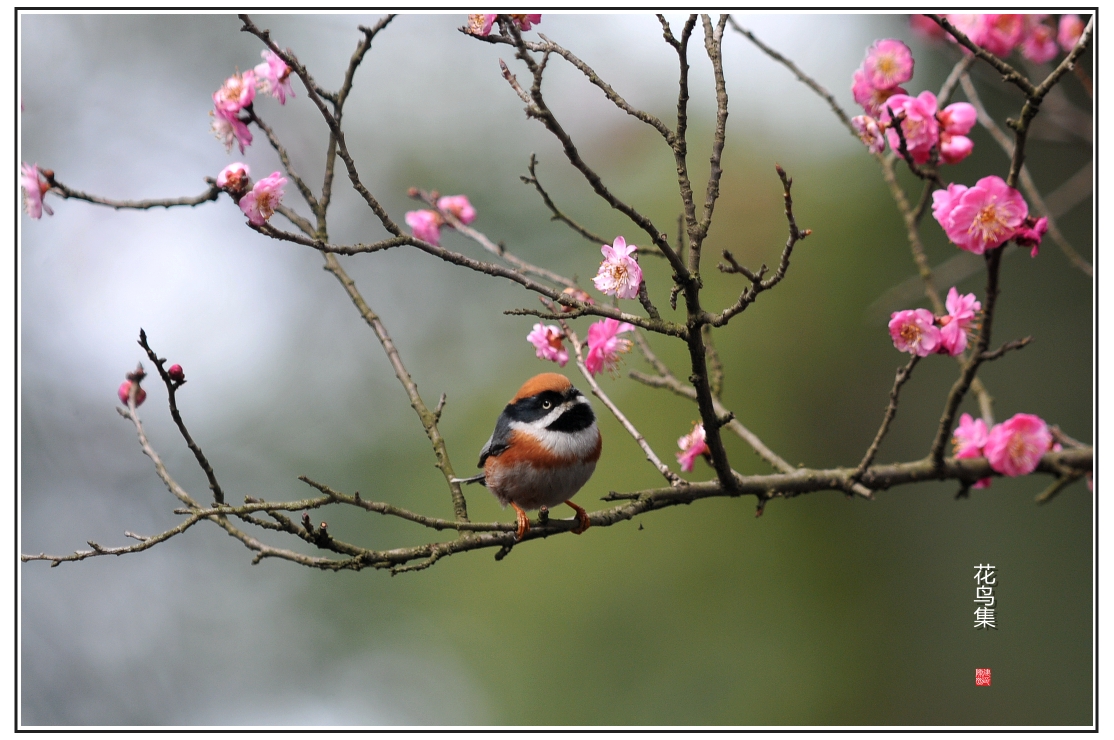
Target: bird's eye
pixel 547 404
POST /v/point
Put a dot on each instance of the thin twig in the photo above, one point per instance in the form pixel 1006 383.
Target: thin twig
pixel 558 215
pixel 171 392
pixel 891 410
pixel 67 192
pixel 669 475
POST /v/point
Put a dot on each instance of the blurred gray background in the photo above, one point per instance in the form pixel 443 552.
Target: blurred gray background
pixel 823 611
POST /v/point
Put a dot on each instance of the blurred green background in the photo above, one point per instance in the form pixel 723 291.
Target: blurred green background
pixel 822 612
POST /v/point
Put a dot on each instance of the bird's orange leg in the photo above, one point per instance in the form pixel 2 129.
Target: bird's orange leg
pixel 582 517
pixel 523 522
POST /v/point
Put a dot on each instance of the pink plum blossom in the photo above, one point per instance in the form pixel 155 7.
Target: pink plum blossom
pixel 125 390
pixel 914 331
pixel 272 77
pixel 619 274
pixel 692 446
pixel 926 27
pixel 228 128
pixel 918 124
pixel 425 225
pixel 1002 32
pixel 961 312
pixel 888 63
pixel 955 121
pixel 459 206
pixel 260 202
pixel 969 439
pixel 547 340
pixel 235 178
pixel 870 97
pixel 981 217
pixel 1015 447
pixel 236 93
pixel 525 21
pixel 870 133
pixel 1039 42
pixel 34 188
pixel 971 25
pixel 479 24
pixel 1071 28
pixel 604 345
pixel 1030 234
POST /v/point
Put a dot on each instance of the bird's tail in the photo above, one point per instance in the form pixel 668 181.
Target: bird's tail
pixel 474 479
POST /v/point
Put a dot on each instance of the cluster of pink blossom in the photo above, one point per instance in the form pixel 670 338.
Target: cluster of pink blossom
pixel 548 342
pixel 986 216
pixel 604 344
pixel 1001 33
pixel 619 274
pixel 480 24
pixel 34 188
pixel 1012 448
pixel 918 332
pixel 272 77
pixel 876 87
pixel 426 224
pixel 692 446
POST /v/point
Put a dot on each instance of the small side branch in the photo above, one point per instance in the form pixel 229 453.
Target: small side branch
pixel 891 410
pixel 811 83
pixel 758 284
pixel 558 215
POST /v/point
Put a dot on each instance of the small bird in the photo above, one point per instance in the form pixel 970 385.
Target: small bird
pixel 543 450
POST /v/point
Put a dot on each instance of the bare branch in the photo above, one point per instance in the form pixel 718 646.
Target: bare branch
pixel 139 205
pixel 891 410
pixel 557 214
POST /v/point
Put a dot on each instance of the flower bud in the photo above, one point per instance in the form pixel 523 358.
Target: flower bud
pixel 413 192
pixel 176 374
pixel 125 391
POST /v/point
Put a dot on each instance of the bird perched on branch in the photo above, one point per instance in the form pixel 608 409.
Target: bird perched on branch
pixel 543 450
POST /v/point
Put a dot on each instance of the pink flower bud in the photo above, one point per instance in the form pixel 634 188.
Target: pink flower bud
pixel 459 206
pixel 235 178
pixel 125 391
pixel 1030 234
pixel 176 374
pixel 577 294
